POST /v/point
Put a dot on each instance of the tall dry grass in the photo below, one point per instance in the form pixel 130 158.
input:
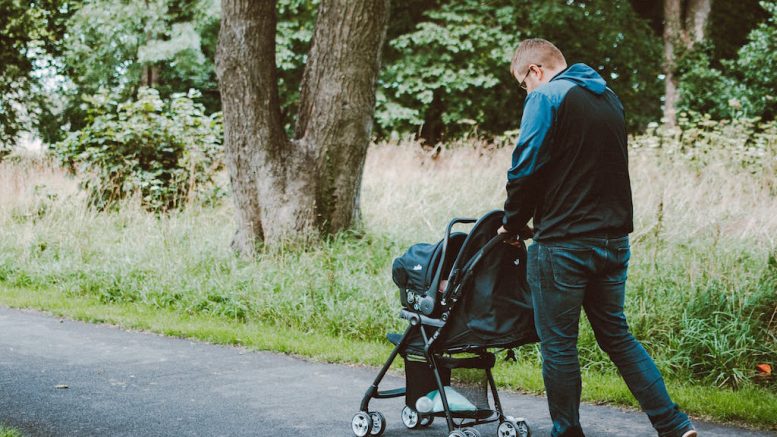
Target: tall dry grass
pixel 411 194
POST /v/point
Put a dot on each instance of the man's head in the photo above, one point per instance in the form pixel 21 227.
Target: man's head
pixel 535 62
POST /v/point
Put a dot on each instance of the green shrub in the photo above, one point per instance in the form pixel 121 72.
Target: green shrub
pixel 744 87
pixel 705 89
pixel 758 67
pixel 167 151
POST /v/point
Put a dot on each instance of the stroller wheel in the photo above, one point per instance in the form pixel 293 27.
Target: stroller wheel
pixel 361 424
pixel 513 428
pixel 410 418
pixel 471 432
pixel 378 424
pixel 413 420
pixel 523 428
pixel 457 433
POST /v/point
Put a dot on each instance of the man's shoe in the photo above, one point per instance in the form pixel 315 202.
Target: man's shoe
pixel 690 433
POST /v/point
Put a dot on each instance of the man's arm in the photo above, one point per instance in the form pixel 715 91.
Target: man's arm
pixel 530 155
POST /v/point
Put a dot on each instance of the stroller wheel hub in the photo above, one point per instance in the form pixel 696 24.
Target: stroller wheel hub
pixel 378 424
pixel 513 428
pixel 409 417
pixel 471 432
pixel 361 424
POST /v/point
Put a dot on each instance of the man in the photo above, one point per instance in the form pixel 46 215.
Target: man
pixel 570 172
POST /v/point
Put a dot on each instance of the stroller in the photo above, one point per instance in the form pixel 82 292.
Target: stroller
pixel 485 304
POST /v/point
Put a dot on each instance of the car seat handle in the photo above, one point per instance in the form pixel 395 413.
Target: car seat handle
pixel 428 303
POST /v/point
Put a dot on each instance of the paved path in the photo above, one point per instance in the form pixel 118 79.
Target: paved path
pixel 139 384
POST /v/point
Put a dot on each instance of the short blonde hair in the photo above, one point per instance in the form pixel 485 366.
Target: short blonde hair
pixel 536 51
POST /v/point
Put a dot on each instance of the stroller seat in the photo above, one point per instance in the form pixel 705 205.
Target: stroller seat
pixel 485 304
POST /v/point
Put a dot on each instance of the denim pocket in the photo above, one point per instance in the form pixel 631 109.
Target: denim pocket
pixel 571 267
pixel 623 255
pixel 616 270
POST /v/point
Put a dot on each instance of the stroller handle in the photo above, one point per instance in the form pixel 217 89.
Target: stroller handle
pixel 448 232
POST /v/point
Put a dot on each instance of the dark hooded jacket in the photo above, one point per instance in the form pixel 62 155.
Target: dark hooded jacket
pixel 570 165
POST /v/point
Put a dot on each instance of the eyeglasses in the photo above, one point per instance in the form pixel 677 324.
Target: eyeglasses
pixel 523 82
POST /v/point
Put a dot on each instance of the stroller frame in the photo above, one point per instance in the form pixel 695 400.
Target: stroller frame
pixel 373 423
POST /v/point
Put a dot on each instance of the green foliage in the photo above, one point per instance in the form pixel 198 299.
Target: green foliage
pixel 703 88
pixel 451 71
pixel 296 21
pixel 29 36
pixel 453 68
pixel 446 64
pixel 730 22
pixel 116 45
pixel 168 151
pixel 15 67
pixel 622 49
pixel 757 68
pixel 742 87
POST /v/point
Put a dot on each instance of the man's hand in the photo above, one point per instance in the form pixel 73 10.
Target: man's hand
pixel 525 233
pixel 513 241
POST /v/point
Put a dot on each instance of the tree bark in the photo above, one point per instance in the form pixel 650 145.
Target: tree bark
pixel 672 34
pixel 431 131
pixel 150 72
pixel 337 103
pixel 298 188
pixel 685 24
pixel 245 65
pixel 696 17
pixel 150 75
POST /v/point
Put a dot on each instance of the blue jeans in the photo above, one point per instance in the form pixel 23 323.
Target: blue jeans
pixel 590 273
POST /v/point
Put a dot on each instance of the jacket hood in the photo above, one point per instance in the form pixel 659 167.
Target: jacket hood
pixel 585 76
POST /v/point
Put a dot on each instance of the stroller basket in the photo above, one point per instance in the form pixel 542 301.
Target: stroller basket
pixel 461 296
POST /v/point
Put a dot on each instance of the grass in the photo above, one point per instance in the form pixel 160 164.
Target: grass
pixel 9 432
pixel 701 294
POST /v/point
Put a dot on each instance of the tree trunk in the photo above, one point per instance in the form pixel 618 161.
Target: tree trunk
pixel 150 72
pixel 431 131
pixel 685 23
pixel 245 59
pixel 150 75
pixel 337 103
pixel 298 188
pixel 673 31
pixel 696 17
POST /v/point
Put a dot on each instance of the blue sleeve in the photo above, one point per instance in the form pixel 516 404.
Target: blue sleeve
pixel 530 155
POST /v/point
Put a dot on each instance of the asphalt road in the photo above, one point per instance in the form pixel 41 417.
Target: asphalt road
pixel 138 384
